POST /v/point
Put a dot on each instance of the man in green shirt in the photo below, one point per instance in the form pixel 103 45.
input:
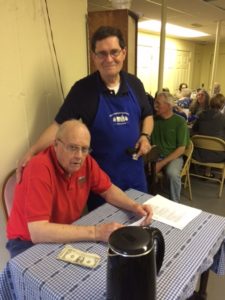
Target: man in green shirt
pixel 171 135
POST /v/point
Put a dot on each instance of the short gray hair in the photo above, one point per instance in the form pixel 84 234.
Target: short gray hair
pixel 168 98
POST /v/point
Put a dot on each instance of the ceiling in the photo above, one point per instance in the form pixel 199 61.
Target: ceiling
pixel 201 15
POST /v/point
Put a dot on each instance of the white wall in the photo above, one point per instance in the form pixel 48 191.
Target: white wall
pixel 29 78
pixel 207 59
pixel 185 61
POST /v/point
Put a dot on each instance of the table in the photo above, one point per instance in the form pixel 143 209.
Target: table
pixel 36 274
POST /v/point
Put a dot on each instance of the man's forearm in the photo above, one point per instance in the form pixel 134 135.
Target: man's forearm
pixel 172 156
pixel 147 125
pixel 45 232
pixel 117 197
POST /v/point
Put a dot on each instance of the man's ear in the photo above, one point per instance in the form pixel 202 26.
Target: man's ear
pixel 124 50
pixel 93 56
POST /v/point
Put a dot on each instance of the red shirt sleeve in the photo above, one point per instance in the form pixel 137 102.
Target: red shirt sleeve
pixel 39 193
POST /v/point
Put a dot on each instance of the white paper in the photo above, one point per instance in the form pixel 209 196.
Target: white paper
pixel 170 212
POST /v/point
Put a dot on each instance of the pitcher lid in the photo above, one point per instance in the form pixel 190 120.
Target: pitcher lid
pixel 131 241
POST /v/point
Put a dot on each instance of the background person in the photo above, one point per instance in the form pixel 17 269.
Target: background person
pixel 185 100
pixel 216 88
pixel 201 103
pixel 171 135
pixel 114 106
pixel 54 192
pixel 211 122
pixel 178 93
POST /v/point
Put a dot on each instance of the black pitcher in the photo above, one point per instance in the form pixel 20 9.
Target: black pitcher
pixel 132 263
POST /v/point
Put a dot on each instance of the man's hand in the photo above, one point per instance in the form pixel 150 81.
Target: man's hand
pixel 103 231
pixel 144 210
pixel 143 146
pixel 159 166
pixel 21 164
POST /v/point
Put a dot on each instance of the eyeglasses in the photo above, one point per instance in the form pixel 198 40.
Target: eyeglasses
pixel 75 148
pixel 113 53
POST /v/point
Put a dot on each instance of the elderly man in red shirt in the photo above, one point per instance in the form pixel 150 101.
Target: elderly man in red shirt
pixel 54 191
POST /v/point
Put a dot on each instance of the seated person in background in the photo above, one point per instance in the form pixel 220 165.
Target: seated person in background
pixel 54 191
pixel 177 110
pixel 178 93
pixel 185 100
pixel 212 123
pixel 170 133
pixel 216 88
pixel 200 104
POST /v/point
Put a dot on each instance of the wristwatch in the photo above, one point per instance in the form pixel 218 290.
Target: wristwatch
pixel 146 134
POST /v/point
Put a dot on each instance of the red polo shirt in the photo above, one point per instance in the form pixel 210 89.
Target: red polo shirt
pixel 46 193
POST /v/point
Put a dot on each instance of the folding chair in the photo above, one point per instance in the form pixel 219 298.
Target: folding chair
pixel 185 170
pixel 213 144
pixel 7 192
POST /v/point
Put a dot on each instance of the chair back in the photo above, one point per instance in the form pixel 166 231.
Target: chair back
pixel 150 160
pixel 187 154
pixel 208 142
pixel 213 144
pixel 7 192
pixel 152 155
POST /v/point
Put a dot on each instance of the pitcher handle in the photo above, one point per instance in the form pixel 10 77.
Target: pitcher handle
pixel 111 253
pixel 160 244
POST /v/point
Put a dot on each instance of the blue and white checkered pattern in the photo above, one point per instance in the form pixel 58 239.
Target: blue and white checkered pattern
pixel 37 274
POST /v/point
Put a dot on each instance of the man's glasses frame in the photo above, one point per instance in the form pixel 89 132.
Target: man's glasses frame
pixel 75 148
pixel 114 53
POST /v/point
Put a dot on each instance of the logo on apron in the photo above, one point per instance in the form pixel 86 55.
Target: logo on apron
pixel 119 118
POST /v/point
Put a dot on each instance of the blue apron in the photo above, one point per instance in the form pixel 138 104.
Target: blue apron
pixel 116 128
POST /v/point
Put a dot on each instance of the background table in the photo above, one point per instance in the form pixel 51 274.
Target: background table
pixel 37 274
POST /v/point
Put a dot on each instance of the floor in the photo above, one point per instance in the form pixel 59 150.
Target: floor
pixel 204 197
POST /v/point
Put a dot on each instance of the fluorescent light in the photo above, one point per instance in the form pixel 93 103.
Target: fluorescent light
pixel 155 26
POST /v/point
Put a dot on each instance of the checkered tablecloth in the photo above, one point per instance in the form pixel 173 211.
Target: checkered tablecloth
pixel 37 274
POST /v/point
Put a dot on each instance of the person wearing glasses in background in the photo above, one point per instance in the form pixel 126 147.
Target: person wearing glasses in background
pixel 54 192
pixel 114 106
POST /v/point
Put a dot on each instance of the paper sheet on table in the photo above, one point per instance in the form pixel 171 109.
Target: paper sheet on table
pixel 170 212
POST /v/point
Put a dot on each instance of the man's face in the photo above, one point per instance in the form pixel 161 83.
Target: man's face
pixel 161 106
pixel 72 149
pixel 109 57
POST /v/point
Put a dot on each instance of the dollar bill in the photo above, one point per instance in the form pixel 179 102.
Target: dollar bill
pixel 76 256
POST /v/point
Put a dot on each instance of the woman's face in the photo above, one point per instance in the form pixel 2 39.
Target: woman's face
pixel 200 98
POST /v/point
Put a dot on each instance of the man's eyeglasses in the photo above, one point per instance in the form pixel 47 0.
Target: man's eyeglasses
pixel 104 54
pixel 75 148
